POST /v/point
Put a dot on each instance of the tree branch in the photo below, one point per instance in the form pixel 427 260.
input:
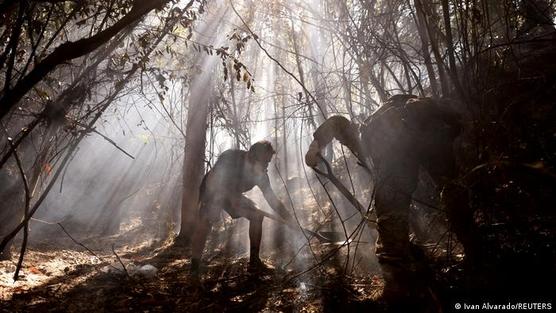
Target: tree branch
pixel 26 212
pixel 72 50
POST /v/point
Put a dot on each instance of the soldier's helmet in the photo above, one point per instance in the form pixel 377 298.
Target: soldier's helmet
pixel 261 151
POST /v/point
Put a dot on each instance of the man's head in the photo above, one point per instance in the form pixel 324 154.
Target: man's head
pixel 261 152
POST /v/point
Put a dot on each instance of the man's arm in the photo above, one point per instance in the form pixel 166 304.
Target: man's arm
pixel 272 199
pixel 335 127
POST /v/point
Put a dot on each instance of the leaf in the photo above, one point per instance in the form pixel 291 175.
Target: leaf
pixel 47 168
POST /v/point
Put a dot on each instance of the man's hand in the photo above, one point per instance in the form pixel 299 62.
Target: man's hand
pixel 312 157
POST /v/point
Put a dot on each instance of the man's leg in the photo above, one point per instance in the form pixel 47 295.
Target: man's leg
pixel 255 235
pixel 393 197
pixel 455 199
pixel 244 207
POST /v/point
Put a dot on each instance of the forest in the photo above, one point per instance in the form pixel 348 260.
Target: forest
pixel 277 155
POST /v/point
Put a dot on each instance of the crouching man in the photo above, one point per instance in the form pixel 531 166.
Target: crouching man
pixel 222 188
pixel 405 134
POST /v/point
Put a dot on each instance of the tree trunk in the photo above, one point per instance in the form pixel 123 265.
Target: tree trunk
pixel 194 154
pixel 200 96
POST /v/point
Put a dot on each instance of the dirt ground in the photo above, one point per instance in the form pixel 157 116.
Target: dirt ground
pixel 65 277
pixel 75 281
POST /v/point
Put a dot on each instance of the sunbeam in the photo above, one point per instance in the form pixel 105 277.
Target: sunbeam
pixel 276 155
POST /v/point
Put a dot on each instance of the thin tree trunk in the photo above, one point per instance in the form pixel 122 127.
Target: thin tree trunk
pixel 194 154
pixel 200 97
pixel 302 74
pixel 284 139
pixel 444 84
pixel 450 44
pixel 423 36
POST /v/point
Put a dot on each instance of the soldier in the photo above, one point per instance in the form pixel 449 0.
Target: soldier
pixel 236 172
pixel 406 133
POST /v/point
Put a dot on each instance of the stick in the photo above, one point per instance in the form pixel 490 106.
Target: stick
pixel 74 240
pixel 120 260
pixel 26 212
pixel 77 242
pixel 112 142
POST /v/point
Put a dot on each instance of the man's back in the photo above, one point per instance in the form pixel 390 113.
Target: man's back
pixel 231 175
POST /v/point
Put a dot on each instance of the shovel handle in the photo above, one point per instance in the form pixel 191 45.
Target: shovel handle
pixel 292 225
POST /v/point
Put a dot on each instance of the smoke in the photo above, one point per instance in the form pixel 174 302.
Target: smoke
pixel 103 189
pixel 105 192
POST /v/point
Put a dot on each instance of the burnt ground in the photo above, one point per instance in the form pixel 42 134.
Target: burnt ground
pixel 74 281
pixel 64 277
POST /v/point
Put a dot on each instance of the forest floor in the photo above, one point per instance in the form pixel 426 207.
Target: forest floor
pixel 73 280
